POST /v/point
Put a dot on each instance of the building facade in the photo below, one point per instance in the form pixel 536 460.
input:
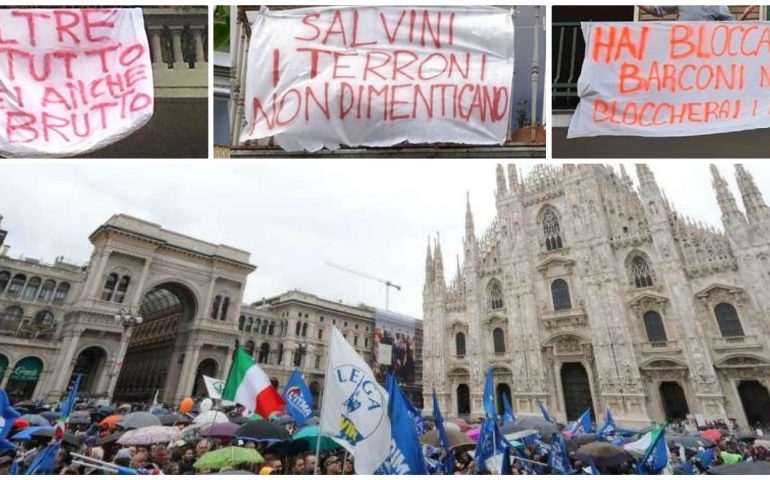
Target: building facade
pixel 58 320
pixel 589 292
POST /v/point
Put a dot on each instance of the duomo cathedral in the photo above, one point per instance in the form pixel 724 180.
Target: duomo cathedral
pixel 587 291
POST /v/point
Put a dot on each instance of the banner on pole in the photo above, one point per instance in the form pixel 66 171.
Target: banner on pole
pixel 72 80
pixel 671 79
pixel 378 76
pixel 214 386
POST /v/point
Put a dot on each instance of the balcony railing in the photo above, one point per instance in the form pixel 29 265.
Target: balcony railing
pixel 26 327
pixel 178 37
pixel 735 343
pixel 567 57
pixel 665 346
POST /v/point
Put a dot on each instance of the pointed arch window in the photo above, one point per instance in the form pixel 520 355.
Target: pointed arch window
pixel 120 292
pixel 215 307
pixel 109 287
pixel 495 295
pixel 498 340
pixel 225 308
pixel 460 344
pixel 560 295
pixel 728 320
pixel 653 325
pixel 551 231
pixel 641 273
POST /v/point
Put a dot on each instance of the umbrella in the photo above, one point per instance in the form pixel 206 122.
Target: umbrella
pixel 47 433
pixel 210 417
pixel 688 441
pixel 223 430
pixel 285 420
pixel 158 410
pixel 602 454
pixel 233 472
pixel 309 435
pixel 240 420
pixel 743 468
pixel 110 439
pixel 227 457
pixel 20 424
pixel 464 427
pixel 139 420
pixel 545 428
pixel 111 420
pixel 26 434
pixel 80 418
pixel 36 420
pixel 312 421
pixel 761 442
pixel 50 416
pixel 150 435
pixel 713 435
pixel 174 419
pixel 575 442
pixel 261 430
pixel 457 440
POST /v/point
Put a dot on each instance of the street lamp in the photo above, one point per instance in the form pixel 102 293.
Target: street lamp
pixel 128 321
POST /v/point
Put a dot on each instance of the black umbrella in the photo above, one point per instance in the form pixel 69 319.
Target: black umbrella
pixel 110 439
pixel 578 440
pixel 688 441
pixel 743 468
pixel 49 433
pixel 80 418
pixel 240 419
pixel 173 419
pixel 602 454
pixel 262 430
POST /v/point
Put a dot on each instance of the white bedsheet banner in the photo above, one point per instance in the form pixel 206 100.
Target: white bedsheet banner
pixel 72 80
pixel 670 79
pixel 378 76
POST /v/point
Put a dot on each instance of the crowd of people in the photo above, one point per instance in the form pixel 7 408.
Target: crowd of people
pixel 99 441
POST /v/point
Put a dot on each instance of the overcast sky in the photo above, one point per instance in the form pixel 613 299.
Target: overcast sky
pixel 373 216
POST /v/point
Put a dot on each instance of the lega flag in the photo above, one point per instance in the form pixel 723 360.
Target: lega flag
pixel 248 385
pixel 72 80
pixel 214 386
pixel 354 410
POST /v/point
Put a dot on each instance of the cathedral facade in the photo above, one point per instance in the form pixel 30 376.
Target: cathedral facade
pixel 587 291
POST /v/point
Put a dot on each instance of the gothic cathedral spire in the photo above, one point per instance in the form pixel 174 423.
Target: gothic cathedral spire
pixel 429 265
pixel 502 188
pixel 647 181
pixel 469 228
pixel 731 216
pixel 756 208
pixel 438 262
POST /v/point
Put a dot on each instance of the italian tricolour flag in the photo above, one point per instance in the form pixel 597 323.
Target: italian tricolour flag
pixel 248 385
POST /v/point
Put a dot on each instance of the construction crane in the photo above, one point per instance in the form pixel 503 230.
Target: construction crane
pixel 388 284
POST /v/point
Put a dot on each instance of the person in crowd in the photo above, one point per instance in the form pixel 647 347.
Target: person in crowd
pixel 697 13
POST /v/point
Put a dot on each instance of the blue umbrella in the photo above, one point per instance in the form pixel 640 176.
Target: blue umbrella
pixel 26 434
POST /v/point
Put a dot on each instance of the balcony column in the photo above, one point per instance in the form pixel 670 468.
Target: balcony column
pixel 200 54
pixel 156 47
pixel 176 42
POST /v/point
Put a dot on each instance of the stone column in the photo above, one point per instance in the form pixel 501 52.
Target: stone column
pixel 137 298
pixel 200 55
pixel 93 285
pixel 176 42
pixel 65 360
pixel 155 44
pixel 117 365
pixel 189 368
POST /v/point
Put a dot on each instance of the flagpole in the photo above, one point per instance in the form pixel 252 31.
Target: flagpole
pixel 320 414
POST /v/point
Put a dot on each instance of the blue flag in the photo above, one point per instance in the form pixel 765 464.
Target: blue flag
pixel 489 443
pixel 447 452
pixel 415 415
pixel 706 457
pixel 405 456
pixel 489 396
pixel 546 415
pixel 43 462
pixel 7 416
pixel 558 460
pixel 299 400
pixel 655 458
pixel 583 424
pixel 689 469
pixel 508 415
pixel 505 468
pixel 608 431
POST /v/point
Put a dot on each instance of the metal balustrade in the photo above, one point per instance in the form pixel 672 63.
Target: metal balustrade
pixel 568 50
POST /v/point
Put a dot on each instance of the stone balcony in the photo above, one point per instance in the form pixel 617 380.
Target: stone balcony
pixel 26 327
pixel 669 347
pixel 564 319
pixel 178 38
pixel 726 344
